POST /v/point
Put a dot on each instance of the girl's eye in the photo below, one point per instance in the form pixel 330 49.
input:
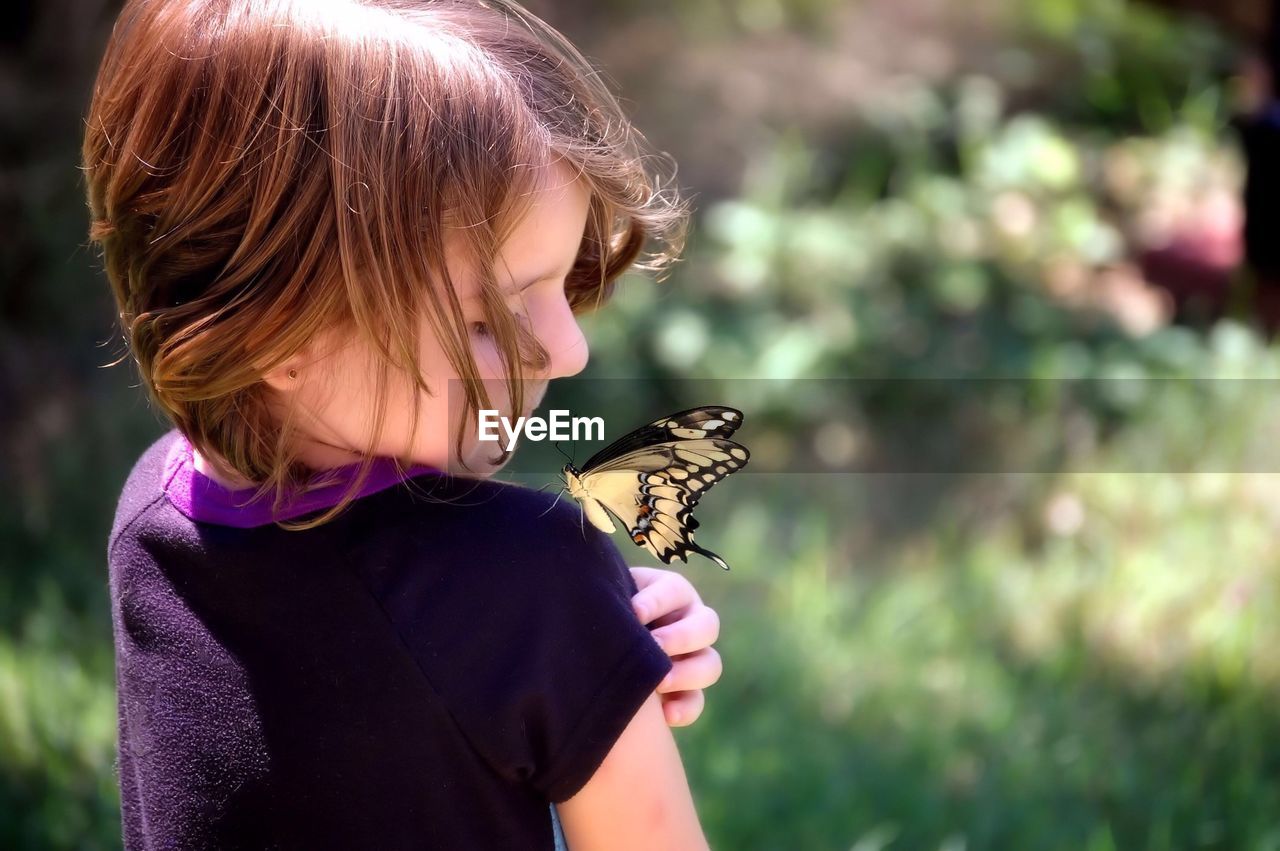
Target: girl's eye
pixel 481 329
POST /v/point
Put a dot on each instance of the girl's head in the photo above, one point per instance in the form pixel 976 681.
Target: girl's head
pixel 316 213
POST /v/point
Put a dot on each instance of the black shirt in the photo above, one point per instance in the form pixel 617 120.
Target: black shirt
pixel 428 670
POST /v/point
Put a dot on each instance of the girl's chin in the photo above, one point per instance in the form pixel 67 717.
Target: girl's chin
pixel 494 459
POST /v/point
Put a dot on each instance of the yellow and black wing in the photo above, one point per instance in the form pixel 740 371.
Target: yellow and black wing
pixel 693 424
pixel 652 478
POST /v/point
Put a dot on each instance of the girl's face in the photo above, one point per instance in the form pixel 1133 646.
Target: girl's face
pixel 334 394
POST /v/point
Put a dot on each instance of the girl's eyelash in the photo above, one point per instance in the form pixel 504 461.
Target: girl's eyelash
pixel 481 329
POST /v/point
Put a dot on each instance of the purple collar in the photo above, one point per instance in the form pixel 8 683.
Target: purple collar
pixel 202 499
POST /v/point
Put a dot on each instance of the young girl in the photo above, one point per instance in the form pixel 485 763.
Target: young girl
pixel 335 232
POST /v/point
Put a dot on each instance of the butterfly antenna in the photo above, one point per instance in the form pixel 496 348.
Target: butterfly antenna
pixel 562 453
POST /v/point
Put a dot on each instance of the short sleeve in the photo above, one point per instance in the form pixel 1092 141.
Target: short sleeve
pixel 523 625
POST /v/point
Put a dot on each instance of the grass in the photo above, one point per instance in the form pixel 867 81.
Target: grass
pixel 1111 686
pixel 57 731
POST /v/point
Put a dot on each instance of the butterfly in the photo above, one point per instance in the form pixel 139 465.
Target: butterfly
pixel 652 478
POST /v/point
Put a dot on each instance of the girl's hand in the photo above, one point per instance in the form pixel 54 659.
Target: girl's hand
pixel 686 629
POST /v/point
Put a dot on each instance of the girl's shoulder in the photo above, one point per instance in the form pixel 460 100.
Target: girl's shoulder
pixel 143 488
pixel 518 613
pixel 507 532
pixel 485 513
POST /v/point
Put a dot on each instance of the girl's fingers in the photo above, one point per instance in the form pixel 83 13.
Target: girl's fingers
pixel 644 576
pixel 662 592
pixel 693 672
pixel 699 628
pixel 683 708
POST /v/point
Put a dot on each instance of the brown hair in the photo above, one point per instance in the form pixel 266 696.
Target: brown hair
pixel 259 171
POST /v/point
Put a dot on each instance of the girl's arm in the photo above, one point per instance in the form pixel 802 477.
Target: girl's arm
pixel 639 797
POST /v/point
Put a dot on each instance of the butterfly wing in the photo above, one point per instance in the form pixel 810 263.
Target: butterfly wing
pixel 653 491
pixel 598 516
pixel 695 423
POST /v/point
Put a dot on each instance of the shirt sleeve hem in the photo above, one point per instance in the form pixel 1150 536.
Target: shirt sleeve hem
pixel 643 666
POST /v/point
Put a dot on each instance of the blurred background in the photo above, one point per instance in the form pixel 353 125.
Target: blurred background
pixel 1058 631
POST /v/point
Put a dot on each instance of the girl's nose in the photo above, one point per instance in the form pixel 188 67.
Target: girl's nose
pixel 566 345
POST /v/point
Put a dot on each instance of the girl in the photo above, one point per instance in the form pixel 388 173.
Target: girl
pixel 335 231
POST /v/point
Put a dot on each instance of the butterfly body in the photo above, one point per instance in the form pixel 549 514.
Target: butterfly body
pixel 652 478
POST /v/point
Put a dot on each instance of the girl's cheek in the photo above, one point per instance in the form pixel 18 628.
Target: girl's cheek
pixel 485 350
pixel 492 374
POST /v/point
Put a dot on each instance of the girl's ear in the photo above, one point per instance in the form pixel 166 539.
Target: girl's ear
pixel 288 375
pixel 285 377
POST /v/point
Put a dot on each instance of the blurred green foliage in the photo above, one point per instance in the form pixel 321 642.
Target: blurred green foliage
pixel 1043 650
